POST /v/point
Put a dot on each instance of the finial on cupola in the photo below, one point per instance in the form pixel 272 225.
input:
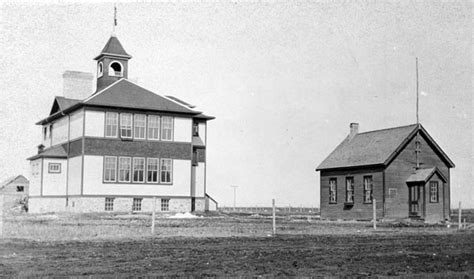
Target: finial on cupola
pixel 115 20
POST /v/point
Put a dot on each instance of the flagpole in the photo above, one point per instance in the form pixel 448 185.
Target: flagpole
pixel 417 141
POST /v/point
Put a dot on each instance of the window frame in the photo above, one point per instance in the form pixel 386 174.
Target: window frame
pixel 135 126
pixel 52 165
pixel 351 191
pixel 105 170
pixel 137 204
pixel 158 127
pixel 143 170
pixel 170 171
pixel 109 204
pixel 100 69
pixel 120 169
pixel 20 189
pixel 107 114
pixel 195 129
pixel 130 128
pixel 371 190
pixel 165 205
pixel 331 190
pixel 157 170
pixel 171 129
pixel 436 184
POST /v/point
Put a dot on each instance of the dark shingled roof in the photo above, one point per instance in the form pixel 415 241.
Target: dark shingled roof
pixel 376 148
pixel 369 148
pixel 113 47
pixel 57 151
pixel 126 94
pixel 423 175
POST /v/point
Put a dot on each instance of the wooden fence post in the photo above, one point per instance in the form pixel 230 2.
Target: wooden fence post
pixel 459 216
pixel 374 205
pixel 274 219
pixel 153 216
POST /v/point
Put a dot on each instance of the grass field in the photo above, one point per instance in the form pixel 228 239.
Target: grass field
pixel 228 245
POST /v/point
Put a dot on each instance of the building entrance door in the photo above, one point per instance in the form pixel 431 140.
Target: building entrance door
pixel 416 201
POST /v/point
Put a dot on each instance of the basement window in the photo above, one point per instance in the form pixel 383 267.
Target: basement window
pixel 137 204
pixel 165 205
pixel 109 204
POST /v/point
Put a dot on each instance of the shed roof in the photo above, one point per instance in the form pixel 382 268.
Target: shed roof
pixel 375 148
pixel 423 175
pixel 12 179
pixel 57 151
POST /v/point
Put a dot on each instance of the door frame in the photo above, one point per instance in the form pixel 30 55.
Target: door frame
pixel 419 189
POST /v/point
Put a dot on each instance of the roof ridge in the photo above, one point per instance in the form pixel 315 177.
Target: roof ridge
pixel 385 129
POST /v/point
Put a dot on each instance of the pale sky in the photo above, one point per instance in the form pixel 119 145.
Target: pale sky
pixel 283 79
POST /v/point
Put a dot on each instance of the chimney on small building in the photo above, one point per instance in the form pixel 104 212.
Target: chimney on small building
pixel 40 148
pixel 354 129
pixel 77 85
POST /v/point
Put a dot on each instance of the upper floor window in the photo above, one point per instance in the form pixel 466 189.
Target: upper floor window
pixel 110 168
pixel 153 127
pixel 115 69
pixel 45 132
pixel 167 128
pixel 100 69
pixel 349 189
pixel 434 194
pixel 111 124
pixel 139 126
pixel 368 189
pixel 166 171
pixel 332 190
pixel 125 125
pixel 195 129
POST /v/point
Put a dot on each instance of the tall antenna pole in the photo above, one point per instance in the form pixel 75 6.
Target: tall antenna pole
pixel 417 141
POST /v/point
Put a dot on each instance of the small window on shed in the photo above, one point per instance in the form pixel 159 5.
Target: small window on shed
pixel 54 168
pixel 20 188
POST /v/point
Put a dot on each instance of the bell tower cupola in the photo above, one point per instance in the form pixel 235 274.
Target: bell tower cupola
pixel 112 63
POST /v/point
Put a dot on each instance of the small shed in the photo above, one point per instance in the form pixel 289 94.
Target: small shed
pixel 14 191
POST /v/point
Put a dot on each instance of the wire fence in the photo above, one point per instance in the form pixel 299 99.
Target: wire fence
pixel 268 209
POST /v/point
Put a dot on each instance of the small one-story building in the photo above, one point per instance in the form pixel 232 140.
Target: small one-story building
pixel 402 168
pixel 14 191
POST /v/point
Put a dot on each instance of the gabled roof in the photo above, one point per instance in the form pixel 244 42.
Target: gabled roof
pixel 57 151
pixel 12 179
pixel 423 175
pixel 113 47
pixel 61 103
pixel 126 94
pixel 376 148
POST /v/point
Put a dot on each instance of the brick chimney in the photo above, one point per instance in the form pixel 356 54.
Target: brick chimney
pixel 354 129
pixel 77 85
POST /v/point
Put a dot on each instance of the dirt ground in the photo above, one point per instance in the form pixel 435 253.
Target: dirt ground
pixel 231 245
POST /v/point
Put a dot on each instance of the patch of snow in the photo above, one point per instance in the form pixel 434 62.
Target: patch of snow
pixel 186 215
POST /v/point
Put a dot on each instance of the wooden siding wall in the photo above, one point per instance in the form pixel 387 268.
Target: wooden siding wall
pixel 401 168
pixel 360 210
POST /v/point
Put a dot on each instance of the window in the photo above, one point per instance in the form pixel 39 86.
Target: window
pixel 167 128
pixel 195 129
pixel 434 196
pixel 115 69
pixel 165 205
pixel 109 204
pixel 349 189
pixel 110 168
pixel 54 167
pixel 195 161
pixel 137 204
pixel 111 124
pixel 124 169
pixel 166 173
pixel 152 170
pixel 139 126
pixel 51 131
pixel 20 188
pixel 153 127
pixel 45 133
pixel 126 125
pixel 138 169
pixel 332 190
pixel 100 69
pixel 368 189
